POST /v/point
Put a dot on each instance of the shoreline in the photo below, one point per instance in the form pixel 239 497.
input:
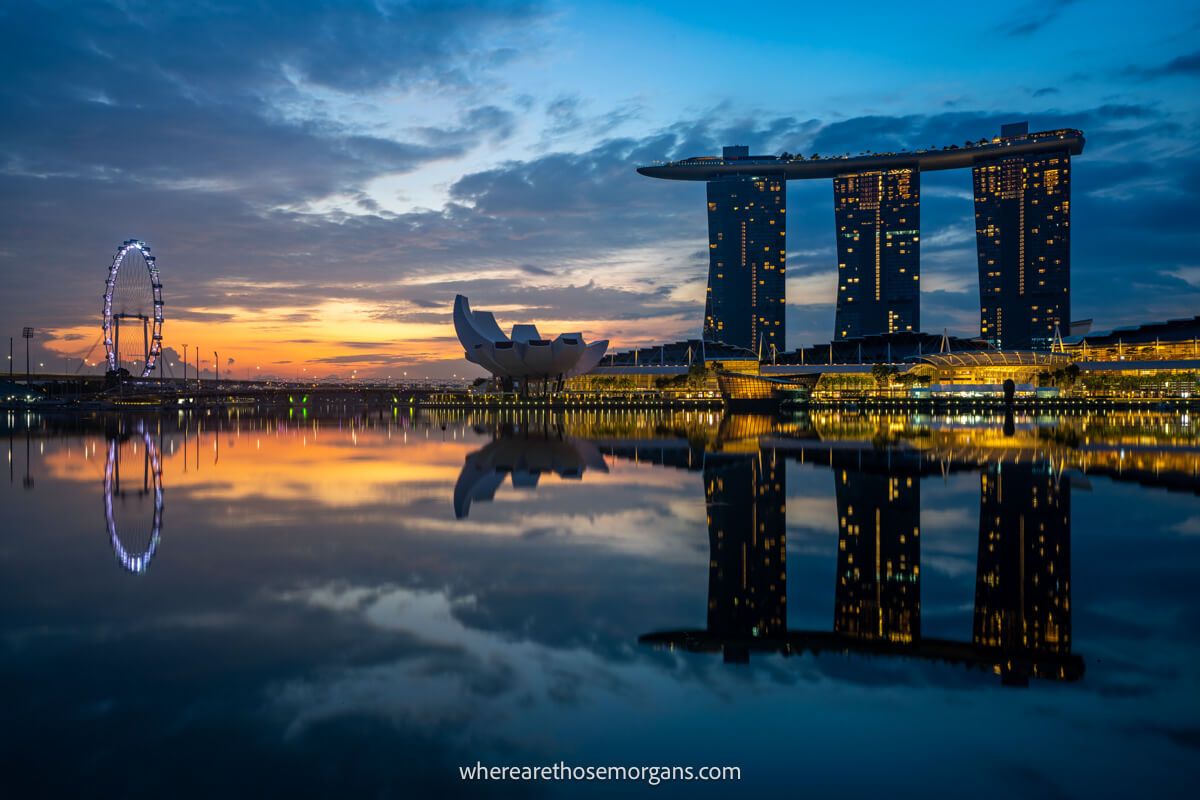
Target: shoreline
pixel 413 401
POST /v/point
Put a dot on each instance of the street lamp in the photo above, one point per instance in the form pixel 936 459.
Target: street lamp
pixel 27 334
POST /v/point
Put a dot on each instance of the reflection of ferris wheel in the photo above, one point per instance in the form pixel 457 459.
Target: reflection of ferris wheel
pixel 137 561
pixel 133 294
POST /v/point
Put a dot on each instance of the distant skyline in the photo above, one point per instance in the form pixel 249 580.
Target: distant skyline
pixel 319 179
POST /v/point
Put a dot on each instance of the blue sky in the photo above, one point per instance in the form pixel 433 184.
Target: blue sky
pixel 319 179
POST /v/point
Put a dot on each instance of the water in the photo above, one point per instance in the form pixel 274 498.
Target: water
pixel 314 606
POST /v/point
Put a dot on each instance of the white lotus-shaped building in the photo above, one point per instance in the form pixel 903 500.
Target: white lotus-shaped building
pixel 526 355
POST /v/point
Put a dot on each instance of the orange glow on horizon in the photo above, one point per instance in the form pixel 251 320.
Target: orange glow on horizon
pixel 339 338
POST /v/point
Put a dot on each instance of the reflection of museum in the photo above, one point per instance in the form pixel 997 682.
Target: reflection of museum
pixel 1021 622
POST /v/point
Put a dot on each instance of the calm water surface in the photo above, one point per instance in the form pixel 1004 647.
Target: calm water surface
pixel 349 606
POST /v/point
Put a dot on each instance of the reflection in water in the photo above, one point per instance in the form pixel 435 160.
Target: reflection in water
pixel 10 423
pixel 747 570
pixel 343 633
pixel 524 455
pixel 125 449
pixel 1022 599
pixel 1023 584
pixel 879 555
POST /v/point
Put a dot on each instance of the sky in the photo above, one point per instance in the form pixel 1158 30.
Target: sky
pixel 319 179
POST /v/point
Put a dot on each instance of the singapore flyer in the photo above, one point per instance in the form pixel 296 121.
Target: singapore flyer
pixel 133 301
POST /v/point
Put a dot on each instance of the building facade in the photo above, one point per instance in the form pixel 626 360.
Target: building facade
pixel 744 302
pixel 1022 215
pixel 878 218
pixel 1023 237
pixel 526 357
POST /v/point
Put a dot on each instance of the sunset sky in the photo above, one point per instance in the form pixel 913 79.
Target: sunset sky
pixel 319 179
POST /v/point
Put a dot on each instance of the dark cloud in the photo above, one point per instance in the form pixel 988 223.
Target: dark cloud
pixel 1187 65
pixel 563 114
pixel 208 160
pixel 161 95
pixel 1031 18
pixel 485 123
pixel 567 114
pixel 890 133
pixel 373 359
pixel 579 301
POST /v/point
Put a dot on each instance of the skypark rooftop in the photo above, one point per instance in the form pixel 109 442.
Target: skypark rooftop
pixel 706 168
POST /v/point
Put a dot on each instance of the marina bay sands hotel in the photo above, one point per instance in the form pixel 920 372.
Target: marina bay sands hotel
pixel 1022 231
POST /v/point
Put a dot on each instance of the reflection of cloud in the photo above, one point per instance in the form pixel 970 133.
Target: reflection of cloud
pixel 1188 527
pixel 585 515
pixel 357 468
pixel 1189 275
pixel 948 565
pixel 946 519
pixel 470 679
pixel 813 513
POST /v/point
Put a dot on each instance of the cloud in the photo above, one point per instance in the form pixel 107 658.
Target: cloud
pixel 250 102
pixel 482 124
pixel 563 114
pixel 1034 17
pixel 250 153
pixel 1187 65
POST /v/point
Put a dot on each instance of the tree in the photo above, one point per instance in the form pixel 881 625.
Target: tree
pixel 1070 376
pixel 882 373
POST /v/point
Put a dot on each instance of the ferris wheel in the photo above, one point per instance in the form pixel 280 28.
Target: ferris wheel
pixel 133 299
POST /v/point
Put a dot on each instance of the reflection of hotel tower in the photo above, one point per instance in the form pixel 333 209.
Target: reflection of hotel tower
pixel 1022 597
pixel 1023 576
pixel 878 594
pixel 747 576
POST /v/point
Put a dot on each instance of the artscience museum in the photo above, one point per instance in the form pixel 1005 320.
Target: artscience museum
pixel 525 357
